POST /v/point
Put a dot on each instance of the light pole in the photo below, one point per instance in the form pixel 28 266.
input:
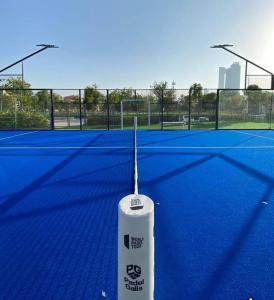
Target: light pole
pixel 247 61
pixel 44 47
pixel 22 68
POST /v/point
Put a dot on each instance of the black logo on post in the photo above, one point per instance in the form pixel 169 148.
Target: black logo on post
pixel 134 271
pixel 131 242
pixel 126 240
pixel 136 204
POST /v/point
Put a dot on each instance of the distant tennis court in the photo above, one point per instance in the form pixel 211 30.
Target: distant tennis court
pixel 214 216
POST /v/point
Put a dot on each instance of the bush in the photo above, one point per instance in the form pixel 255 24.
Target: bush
pixel 24 120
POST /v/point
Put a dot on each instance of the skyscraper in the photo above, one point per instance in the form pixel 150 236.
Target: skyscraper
pixel 230 78
pixel 233 76
pixel 222 71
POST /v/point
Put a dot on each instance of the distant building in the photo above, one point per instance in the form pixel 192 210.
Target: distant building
pixel 233 76
pixel 222 72
pixel 230 78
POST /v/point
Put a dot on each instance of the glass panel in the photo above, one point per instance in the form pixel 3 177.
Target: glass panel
pixel 249 109
pixel 272 110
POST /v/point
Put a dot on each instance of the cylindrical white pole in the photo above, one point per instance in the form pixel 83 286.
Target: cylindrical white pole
pixel 135 158
pixel 136 248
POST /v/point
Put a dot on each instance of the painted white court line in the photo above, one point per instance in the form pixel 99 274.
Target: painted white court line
pixel 207 147
pixel 63 147
pixel 128 147
pixel 15 135
pixel 255 135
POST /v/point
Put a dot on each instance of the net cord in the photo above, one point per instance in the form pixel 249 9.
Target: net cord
pixel 135 158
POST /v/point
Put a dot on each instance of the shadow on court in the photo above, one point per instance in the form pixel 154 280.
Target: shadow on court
pixel 12 201
pixel 230 257
pixel 183 136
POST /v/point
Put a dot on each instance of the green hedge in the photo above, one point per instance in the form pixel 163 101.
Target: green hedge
pixel 24 120
pixel 101 119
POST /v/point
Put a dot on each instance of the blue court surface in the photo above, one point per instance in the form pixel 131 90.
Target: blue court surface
pixel 214 212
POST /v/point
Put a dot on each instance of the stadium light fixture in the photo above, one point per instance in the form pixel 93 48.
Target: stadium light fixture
pixel 47 46
pixel 44 47
pixel 222 46
pixel 247 61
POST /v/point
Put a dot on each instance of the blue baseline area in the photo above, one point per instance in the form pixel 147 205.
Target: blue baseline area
pixel 213 212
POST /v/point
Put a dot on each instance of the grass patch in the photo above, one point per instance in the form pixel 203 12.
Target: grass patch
pixel 245 125
pixel 201 125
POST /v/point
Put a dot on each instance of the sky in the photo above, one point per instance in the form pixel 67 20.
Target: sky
pixel 133 43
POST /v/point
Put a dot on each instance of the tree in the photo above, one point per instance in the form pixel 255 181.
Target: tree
pixel 21 97
pixel 209 101
pixel 232 103
pixel 237 102
pixel 258 100
pixel 116 96
pixel 196 94
pixel 16 83
pixel 169 94
pixel 184 101
pixel 196 91
pixel 41 100
pixel 93 98
pixel 253 87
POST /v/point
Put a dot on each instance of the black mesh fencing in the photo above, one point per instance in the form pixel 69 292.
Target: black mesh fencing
pixel 25 109
pixel 66 104
pixel 203 109
pixel 94 109
pixel 175 109
pixel 167 109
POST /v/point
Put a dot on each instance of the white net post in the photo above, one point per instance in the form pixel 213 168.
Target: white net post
pixel 135 158
pixel 136 242
pixel 136 248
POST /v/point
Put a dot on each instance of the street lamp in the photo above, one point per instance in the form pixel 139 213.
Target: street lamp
pixel 247 61
pixel 47 46
pixel 44 47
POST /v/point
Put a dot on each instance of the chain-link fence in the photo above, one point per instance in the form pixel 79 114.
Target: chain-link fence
pixel 24 109
pixel 166 109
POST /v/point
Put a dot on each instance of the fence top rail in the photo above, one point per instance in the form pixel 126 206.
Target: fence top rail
pixel 97 89
pixel 259 89
pixel 126 89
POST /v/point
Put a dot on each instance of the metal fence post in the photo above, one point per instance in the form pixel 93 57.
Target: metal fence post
pixel 189 108
pixel 162 109
pixel 122 114
pixel 108 112
pixel 136 102
pixel 246 74
pixel 217 110
pixel 148 113
pixel 51 110
pixel 80 109
pixel 271 109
